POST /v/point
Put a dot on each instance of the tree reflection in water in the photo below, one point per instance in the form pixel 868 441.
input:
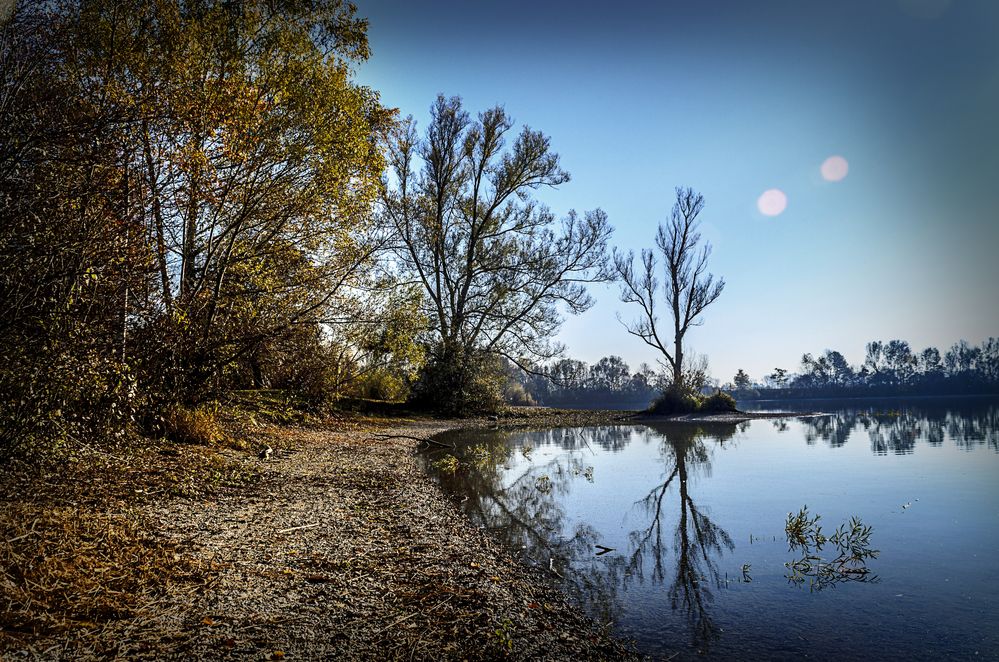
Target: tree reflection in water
pixel 671 544
pixel 697 540
pixel 896 431
pixel 535 521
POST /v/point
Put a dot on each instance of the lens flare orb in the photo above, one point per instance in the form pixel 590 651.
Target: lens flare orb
pixel 835 168
pixel 773 202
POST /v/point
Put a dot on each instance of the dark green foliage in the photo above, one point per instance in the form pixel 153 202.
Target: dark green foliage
pixel 718 402
pixel 457 382
pixel 675 401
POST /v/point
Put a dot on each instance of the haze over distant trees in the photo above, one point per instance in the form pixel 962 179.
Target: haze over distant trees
pixel 607 384
pixel 888 368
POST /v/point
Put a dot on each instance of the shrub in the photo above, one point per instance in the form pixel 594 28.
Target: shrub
pixel 53 396
pixel 302 363
pixel 460 383
pixel 718 402
pixel 515 394
pixel 383 384
pixel 674 401
pixel 198 425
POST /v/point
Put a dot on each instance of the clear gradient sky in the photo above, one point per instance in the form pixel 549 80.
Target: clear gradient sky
pixel 735 98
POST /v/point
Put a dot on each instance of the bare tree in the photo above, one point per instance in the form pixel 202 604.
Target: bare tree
pixel 494 265
pixel 687 289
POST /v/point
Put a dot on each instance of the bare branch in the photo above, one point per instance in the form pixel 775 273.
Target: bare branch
pixel 687 287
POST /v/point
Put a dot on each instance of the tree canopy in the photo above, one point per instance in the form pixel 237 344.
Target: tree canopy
pixel 494 265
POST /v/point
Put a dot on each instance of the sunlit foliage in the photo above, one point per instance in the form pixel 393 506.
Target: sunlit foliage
pixel 186 192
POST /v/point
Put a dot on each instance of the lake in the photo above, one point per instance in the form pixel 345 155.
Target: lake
pixel 693 515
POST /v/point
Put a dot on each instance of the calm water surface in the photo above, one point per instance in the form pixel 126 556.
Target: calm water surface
pixel 685 508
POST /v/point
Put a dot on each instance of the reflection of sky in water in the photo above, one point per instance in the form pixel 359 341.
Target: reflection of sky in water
pixel 684 507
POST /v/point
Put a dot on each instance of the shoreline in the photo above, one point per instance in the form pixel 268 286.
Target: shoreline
pixel 341 547
pixel 723 417
pixel 338 545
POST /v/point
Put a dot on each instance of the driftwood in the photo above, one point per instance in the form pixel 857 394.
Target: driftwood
pixel 425 440
pixel 299 528
pixel 603 550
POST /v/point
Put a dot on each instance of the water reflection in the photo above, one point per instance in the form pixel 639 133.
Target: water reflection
pixel 559 497
pixel 534 520
pixel 697 540
pixel 676 540
pixel 896 431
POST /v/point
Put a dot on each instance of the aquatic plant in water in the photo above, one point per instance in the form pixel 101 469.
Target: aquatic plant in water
pixel 847 562
pixel 447 464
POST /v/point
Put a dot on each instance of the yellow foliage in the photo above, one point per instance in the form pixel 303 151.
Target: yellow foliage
pixel 199 425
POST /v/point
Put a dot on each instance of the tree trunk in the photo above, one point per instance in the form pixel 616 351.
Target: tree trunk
pixel 678 364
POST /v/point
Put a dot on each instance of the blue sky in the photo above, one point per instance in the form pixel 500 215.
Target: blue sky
pixel 734 98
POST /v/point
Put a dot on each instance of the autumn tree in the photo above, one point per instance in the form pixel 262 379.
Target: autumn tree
pixel 258 161
pixel 251 157
pixel 185 186
pixel 686 286
pixel 494 265
pixel 72 251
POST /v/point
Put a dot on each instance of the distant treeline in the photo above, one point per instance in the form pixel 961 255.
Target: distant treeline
pixel 889 368
pixel 608 383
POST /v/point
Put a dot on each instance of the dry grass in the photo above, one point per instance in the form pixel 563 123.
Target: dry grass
pixel 68 567
pixel 197 425
pixel 81 561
